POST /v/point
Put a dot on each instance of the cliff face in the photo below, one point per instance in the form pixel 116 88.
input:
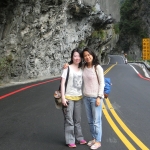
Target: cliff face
pixel 111 7
pixel 134 26
pixel 36 37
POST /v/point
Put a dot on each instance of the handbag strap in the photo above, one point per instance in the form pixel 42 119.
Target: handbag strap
pixel 96 74
pixel 66 80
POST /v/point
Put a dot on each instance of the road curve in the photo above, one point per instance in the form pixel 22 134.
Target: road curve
pixel 30 121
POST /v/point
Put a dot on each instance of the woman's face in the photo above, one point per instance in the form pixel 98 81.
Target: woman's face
pixel 76 58
pixel 87 57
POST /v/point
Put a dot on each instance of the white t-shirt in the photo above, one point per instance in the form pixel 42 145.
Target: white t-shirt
pixel 74 84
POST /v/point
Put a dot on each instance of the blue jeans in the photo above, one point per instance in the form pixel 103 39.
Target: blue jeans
pixel 94 115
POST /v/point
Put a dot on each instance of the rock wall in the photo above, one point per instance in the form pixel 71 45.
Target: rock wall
pixel 36 37
pixel 111 7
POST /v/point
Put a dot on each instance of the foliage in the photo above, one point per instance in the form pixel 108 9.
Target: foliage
pixel 131 27
pixel 129 58
pixel 127 9
pixel 5 65
pixel 121 2
pixel 116 28
pixel 131 24
pixel 93 9
pixel 100 34
pixel 82 44
pixel 125 45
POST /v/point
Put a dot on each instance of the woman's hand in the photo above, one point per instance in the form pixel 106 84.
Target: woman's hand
pixel 98 101
pixel 105 95
pixel 64 102
pixel 65 66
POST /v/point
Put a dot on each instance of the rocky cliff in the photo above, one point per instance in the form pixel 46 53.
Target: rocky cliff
pixel 36 37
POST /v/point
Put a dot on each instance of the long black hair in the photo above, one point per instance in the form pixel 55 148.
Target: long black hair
pixel 78 51
pixel 95 58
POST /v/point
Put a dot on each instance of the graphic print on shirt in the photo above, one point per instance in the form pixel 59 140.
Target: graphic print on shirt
pixel 77 82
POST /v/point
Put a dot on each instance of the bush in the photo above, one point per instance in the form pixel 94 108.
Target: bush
pixel 131 24
pixel 82 44
pixel 99 34
pixel 5 64
pixel 116 28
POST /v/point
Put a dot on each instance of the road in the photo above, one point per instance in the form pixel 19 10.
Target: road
pixel 30 121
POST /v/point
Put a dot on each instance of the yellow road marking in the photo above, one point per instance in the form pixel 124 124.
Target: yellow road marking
pixel 117 131
pixel 124 127
pixel 109 69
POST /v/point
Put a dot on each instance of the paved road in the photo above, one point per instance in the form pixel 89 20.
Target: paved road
pixel 30 121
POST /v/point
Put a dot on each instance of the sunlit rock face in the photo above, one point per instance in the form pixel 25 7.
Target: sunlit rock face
pixel 111 7
pixel 36 37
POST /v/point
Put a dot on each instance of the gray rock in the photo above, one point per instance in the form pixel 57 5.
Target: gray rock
pixel 40 35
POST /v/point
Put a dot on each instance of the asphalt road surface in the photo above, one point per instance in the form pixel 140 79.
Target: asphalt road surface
pixel 30 121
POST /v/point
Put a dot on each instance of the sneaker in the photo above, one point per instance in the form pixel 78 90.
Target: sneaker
pixel 96 146
pixel 90 143
pixel 72 145
pixel 83 142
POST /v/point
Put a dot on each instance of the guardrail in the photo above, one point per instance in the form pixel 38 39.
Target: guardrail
pixel 141 62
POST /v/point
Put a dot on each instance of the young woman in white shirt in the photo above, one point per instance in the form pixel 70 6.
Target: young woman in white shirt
pixel 71 100
pixel 93 89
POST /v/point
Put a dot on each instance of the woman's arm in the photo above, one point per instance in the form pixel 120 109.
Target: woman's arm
pixel 64 101
pixel 100 75
pixel 101 81
pixel 63 90
pixel 65 65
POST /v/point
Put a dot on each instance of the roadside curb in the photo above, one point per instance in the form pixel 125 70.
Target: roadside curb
pixel 140 74
pixel 28 81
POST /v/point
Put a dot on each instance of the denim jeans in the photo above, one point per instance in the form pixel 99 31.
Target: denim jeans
pixel 94 114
